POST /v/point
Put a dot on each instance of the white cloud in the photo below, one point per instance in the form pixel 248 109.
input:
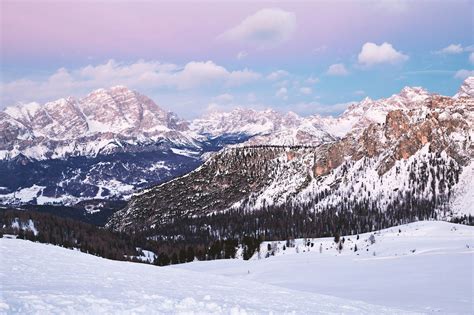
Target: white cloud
pixel 141 75
pixel 198 73
pixel 282 93
pixel 242 55
pixel 451 49
pixel 372 54
pixel 312 80
pixel 359 92
pixel 471 58
pixel 266 28
pixel 463 74
pixel 277 75
pixel 337 69
pixel 241 77
pixel 306 90
pixel 454 49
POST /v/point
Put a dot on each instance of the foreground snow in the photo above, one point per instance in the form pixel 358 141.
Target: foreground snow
pixel 427 267
pixel 45 279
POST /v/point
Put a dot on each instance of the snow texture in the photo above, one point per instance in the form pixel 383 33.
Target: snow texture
pixel 424 267
pixel 45 279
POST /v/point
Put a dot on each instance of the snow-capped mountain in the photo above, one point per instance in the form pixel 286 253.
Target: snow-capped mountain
pixel 115 141
pixel 104 120
pixel 413 159
pixel 466 89
pixel 274 128
pixel 104 145
pixel 360 115
pixel 244 121
pixel 266 127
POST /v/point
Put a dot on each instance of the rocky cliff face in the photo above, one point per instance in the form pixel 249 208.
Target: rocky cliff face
pixel 414 156
pixel 445 124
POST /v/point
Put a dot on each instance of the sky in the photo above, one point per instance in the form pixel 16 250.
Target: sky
pixel 191 57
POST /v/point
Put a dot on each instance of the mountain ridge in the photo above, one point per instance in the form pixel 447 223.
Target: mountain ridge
pixel 102 155
pixel 413 159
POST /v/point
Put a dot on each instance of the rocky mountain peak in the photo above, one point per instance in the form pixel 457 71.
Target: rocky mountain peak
pixel 466 89
pixel 415 155
pixel 90 123
pixel 411 92
pixel 23 111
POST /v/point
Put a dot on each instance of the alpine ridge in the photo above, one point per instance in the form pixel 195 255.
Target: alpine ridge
pixel 407 166
pixel 115 141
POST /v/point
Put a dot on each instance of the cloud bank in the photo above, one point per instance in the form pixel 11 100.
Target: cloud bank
pixel 139 75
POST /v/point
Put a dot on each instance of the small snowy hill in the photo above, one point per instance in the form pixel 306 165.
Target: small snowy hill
pixel 45 279
pixel 425 237
pixel 424 267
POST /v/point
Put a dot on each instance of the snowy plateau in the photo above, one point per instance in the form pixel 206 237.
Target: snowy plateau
pixel 418 268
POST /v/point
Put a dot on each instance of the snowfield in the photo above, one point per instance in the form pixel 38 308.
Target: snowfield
pixel 425 268
pixel 45 279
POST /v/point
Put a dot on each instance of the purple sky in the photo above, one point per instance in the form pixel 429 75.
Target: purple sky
pixel 318 44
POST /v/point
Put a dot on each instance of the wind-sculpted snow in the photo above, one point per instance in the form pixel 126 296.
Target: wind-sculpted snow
pixel 38 278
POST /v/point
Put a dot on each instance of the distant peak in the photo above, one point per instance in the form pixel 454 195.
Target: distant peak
pixel 292 114
pixel 410 90
pixel 98 91
pixel 119 88
pixel 469 81
pixel 113 89
pixel 63 100
pixel 467 88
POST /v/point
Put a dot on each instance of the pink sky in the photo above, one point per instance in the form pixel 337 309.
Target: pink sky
pixel 46 45
pixel 185 29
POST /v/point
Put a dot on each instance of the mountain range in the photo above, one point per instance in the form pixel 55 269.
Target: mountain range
pixel 115 141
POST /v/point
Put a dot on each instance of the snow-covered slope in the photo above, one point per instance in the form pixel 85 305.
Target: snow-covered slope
pixel 463 199
pixel 408 167
pixel 424 266
pixel 360 115
pixel 267 127
pixel 37 278
pixel 115 141
pixel 466 89
pixel 110 118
